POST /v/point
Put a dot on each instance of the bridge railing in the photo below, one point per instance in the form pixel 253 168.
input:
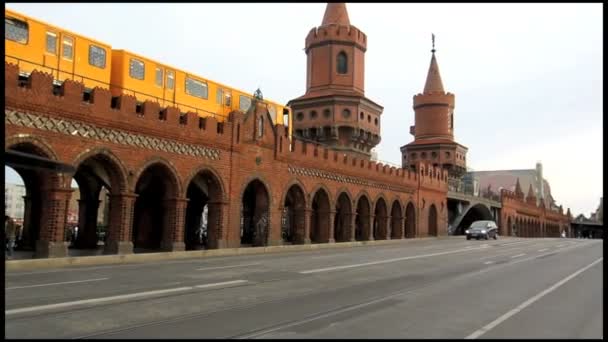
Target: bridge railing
pixel 468 188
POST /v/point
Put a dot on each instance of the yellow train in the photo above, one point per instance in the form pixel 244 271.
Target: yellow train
pixel 33 44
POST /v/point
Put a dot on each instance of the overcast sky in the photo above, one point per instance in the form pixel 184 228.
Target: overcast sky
pixel 527 77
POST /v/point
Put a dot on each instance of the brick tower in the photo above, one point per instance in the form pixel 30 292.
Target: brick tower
pixel 334 111
pixel 434 128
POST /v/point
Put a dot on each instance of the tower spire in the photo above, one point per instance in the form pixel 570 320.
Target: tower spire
pixel 335 13
pixel 433 78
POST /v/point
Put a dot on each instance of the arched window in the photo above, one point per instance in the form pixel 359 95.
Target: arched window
pixel 342 63
pixel 260 126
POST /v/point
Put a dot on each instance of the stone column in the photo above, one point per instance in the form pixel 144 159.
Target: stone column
pixel 173 228
pixel 369 226
pixel 353 227
pixel 217 224
pixel 307 224
pixel 119 237
pixel 332 238
pixel 27 236
pixel 51 243
pixel 274 228
pixel 87 223
pixel 388 220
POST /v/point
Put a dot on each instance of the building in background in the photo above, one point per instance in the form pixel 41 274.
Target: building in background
pixel 13 201
pixel 507 179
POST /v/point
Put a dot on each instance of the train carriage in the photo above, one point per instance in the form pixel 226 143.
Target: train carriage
pixel 34 45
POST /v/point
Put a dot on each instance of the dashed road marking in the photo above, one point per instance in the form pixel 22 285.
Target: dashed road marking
pixel 488 262
pixel 222 267
pixel 114 298
pixel 51 284
pixel 388 260
pixel 518 255
pixel 542 250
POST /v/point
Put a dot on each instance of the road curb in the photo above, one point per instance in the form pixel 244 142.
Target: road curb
pixel 34 264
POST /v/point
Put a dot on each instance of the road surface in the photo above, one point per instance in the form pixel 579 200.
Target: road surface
pixel 432 288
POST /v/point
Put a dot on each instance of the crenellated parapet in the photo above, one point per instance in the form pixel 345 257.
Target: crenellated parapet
pixel 336 33
pixel 98 108
pixel 422 100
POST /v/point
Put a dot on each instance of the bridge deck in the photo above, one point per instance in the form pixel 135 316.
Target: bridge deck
pixel 470 198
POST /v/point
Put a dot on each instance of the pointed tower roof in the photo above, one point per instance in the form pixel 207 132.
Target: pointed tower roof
pixel 335 13
pixel 530 192
pixel 518 188
pixel 433 78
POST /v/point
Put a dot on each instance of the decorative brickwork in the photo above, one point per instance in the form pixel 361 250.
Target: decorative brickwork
pixel 89 131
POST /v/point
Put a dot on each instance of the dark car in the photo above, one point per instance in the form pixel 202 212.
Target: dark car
pixel 482 230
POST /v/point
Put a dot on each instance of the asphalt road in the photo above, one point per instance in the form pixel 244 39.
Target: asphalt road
pixel 444 288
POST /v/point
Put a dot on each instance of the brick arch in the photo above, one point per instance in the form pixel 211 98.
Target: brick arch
pixel 37 142
pixel 397 214
pixel 294 215
pixel 348 194
pixel 253 234
pixel 44 217
pixel 312 194
pixel 433 220
pixel 363 224
pixel 208 168
pixel 366 194
pixel 176 182
pixel 292 182
pixel 257 176
pixel 379 225
pixel 411 228
pixel 342 224
pixel 379 196
pixel 117 170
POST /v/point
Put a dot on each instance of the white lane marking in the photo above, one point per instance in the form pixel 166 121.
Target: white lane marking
pixel 50 284
pixel 523 305
pixel 488 262
pixel 111 298
pixel 222 267
pixel 542 250
pixel 518 255
pixel 562 245
pixel 220 284
pixel 388 260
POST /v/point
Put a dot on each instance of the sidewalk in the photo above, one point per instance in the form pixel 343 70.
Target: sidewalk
pixel 96 257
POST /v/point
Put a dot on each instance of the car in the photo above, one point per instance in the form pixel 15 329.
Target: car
pixel 482 229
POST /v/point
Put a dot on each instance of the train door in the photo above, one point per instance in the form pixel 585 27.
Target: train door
pixel 224 101
pixel 227 107
pixel 169 89
pixel 50 60
pixel 66 59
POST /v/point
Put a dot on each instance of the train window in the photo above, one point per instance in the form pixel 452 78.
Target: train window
pixel 97 56
pixel 51 42
pixel 244 103
pixel 170 79
pixel 228 99
pixel 159 76
pixel 136 69
pixel 16 30
pixel 196 88
pixel 219 95
pixel 68 48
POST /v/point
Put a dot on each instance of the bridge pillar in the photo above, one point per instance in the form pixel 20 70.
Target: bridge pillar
pixel 173 234
pixel 331 238
pixel 353 226
pixel 307 220
pixel 51 243
pixel 119 237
